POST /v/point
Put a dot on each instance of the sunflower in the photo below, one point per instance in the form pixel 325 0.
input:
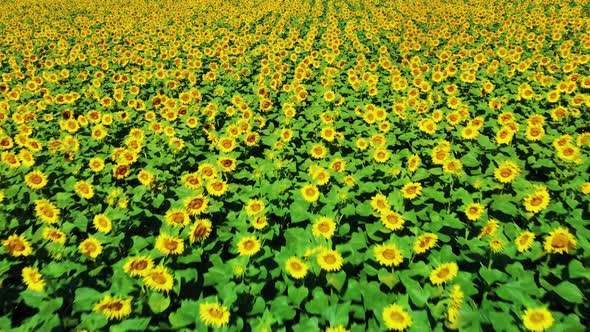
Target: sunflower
pixel 310 193
pixel 91 247
pixel 537 319
pixel 254 207
pixel 324 226
pixel 102 223
pixel 388 254
pixel 425 242
pixel 506 172
pixel 469 133
pixel 392 220
pixel 113 307
pixel 227 164
pixel 559 240
pixel 226 144
pixel 474 211
pixel 207 171
pixel 321 176
pixel 214 314
pixel 568 152
pixel 200 230
pixel 496 245
pixel 177 217
pixel 444 273
pixel 412 190
pixel 96 164
pixel 46 211
pixel 159 279
pixel 138 266
pixel 489 229
pixel 54 235
pixel 504 135
pixel 413 163
pixel 36 180
pixel 217 187
pixel 248 246
pixel 33 279
pixel 381 155
pixel 379 203
pixel 84 189
pixel 17 245
pixel 439 155
pixel 146 178
pixel 169 245
pixel 260 222
pixel 534 133
pixel 121 171
pixel 318 151
pixel 196 205
pixel 296 268
pixel 338 165
pixel 584 188
pixel 453 166
pixel 537 201
pixel 396 318
pixel 524 241
pixel 192 181
pixel 329 260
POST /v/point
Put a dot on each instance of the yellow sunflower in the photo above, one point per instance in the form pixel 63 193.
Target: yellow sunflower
pixel 54 235
pixel 169 245
pixel 138 266
pixel 537 319
pixel 537 201
pixel 196 205
pixel 254 207
pixel 248 246
pixel 444 273
pixel 425 242
pixel 330 260
pixel 489 229
pixel 113 307
pixel 318 151
pixel 91 247
pixel 559 240
pixel 102 223
pixel 84 189
pixel 474 211
pixel 159 279
pixel 388 254
pixel 46 211
pixel 392 220
pixel 413 163
pixel 33 279
pixel 217 187
pixel 324 227
pixel 381 155
pixel 36 180
pixel 524 241
pixel 379 203
pixel 96 164
pixel 296 268
pixel 17 245
pixel 396 318
pixel 214 314
pixel 412 190
pixel 177 217
pixel 200 230
pixel 310 193
pixel 506 172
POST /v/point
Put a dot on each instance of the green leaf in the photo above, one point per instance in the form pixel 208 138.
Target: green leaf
pixel 491 275
pixel 569 292
pixel 577 270
pixel 131 324
pixel 281 308
pixel 158 302
pixel 485 142
pixel 504 203
pixel 319 302
pixel 185 315
pixel 297 294
pixel 33 299
pixel 85 298
pixel 387 278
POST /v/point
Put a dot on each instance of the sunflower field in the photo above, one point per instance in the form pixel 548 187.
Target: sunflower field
pixel 281 165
